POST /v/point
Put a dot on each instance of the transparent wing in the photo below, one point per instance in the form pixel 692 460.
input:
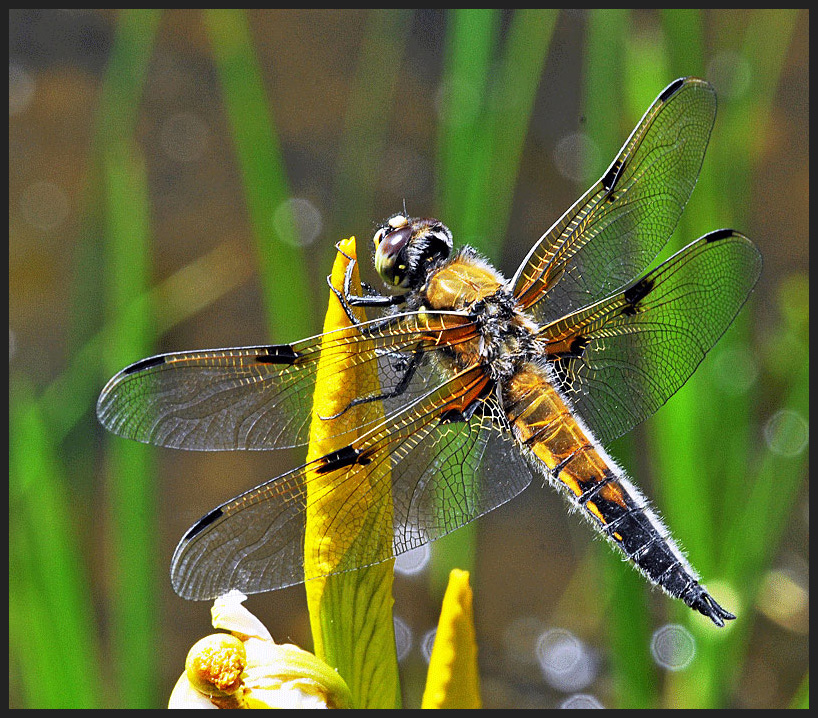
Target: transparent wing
pixel 613 233
pixel 620 359
pixel 438 468
pixel 261 397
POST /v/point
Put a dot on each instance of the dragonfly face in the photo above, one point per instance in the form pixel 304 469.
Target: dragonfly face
pixel 483 381
pixel 406 250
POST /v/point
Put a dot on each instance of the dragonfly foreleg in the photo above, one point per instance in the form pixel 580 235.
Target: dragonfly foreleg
pixel 408 370
pixel 349 300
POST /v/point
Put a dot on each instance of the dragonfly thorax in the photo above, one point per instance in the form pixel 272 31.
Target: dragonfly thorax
pixel 508 337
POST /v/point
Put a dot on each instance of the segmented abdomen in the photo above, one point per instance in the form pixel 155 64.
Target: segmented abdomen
pixel 544 424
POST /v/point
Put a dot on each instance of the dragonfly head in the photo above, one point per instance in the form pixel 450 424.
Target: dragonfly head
pixel 405 250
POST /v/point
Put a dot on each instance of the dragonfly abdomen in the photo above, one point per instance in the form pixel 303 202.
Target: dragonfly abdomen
pixel 593 483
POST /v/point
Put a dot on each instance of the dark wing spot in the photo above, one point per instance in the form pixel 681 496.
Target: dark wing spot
pixel 278 354
pixel 578 345
pixel 611 176
pixel 348 456
pixel 575 349
pixel 635 294
pixel 563 361
pixel 451 416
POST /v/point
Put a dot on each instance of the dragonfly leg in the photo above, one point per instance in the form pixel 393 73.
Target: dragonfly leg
pixel 349 300
pixel 400 387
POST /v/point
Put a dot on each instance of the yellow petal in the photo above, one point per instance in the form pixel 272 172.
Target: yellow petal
pixel 340 379
pixel 360 644
pixel 453 680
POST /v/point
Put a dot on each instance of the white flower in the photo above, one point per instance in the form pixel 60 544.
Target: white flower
pixel 247 669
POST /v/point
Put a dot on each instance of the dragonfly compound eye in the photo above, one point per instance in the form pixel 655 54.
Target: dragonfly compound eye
pixel 391 257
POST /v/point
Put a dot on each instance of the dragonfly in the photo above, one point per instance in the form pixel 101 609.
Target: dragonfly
pixel 482 383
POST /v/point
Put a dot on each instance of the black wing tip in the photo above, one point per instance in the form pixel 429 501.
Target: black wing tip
pixel 201 525
pixel 111 389
pixel 679 83
pixel 719 234
pixel 144 364
pixel 186 583
pixel 673 88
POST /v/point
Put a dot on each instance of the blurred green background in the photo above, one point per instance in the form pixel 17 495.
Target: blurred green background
pixel 178 179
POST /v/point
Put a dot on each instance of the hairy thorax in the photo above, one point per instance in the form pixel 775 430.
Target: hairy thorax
pixel 506 337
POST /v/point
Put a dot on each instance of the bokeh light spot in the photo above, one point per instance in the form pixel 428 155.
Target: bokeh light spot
pixel 786 433
pixel 673 647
